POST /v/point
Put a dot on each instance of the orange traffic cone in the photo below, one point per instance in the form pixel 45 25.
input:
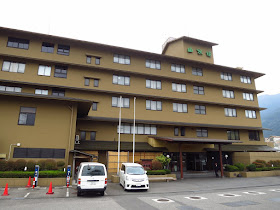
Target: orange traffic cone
pixel 50 189
pixel 29 183
pixel 33 182
pixel 5 191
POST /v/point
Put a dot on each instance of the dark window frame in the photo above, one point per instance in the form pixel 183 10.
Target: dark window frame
pixel 92 135
pixel 83 135
pixel 254 135
pixel 30 115
pixel 58 92
pixel 200 132
pixel 63 49
pixel 47 47
pixel 200 109
pixel 97 60
pixel 87 82
pixel 88 59
pixel 94 106
pixel 233 135
pixel 183 131
pixel 197 71
pixel 176 131
pixel 199 90
pixel 18 43
pixel 60 71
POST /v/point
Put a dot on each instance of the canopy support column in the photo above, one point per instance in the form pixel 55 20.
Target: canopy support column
pixel 221 160
pixel 181 161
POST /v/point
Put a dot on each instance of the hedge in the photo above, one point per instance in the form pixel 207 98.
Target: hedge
pixel 26 174
pixel 156 172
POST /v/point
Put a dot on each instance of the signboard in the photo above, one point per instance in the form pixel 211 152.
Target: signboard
pixel 36 175
pixel 68 174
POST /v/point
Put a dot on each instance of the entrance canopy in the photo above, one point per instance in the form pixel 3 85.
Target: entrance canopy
pixel 195 140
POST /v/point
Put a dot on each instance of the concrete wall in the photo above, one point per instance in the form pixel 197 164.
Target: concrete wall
pixel 249 157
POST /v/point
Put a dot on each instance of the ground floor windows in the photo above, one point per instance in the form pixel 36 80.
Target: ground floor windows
pixel 254 135
pixel 38 153
pixel 233 135
pixel 143 129
pixel 27 116
pixel 10 89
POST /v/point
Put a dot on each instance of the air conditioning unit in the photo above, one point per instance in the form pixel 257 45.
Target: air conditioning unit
pixel 77 138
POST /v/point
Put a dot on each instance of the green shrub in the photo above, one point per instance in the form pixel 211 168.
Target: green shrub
pixel 3 165
pixel 26 174
pixel 10 165
pixel 30 165
pixel 240 166
pixel 260 163
pixel 167 171
pixel 50 165
pixel 163 160
pixel 251 167
pixel 156 172
pixel 20 165
pixel 231 168
pixel 156 165
pixel 60 164
pixel 275 163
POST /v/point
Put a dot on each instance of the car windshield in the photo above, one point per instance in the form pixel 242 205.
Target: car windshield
pixel 91 170
pixel 135 170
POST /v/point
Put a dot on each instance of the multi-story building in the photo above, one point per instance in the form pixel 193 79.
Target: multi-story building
pixel 60 98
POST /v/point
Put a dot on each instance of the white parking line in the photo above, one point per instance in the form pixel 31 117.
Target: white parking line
pixel 67 192
pixel 26 195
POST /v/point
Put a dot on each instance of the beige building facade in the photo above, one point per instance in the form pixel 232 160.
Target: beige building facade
pixel 60 99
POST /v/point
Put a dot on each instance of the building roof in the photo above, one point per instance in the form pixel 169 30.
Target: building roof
pixel 113 146
pixel 122 49
pixel 244 148
pixel 195 140
pixel 125 120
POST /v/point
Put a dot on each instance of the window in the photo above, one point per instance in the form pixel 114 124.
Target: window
pixel 179 87
pixel 226 76
pixel 121 80
pixel 153 84
pixel 152 64
pixel 183 131
pixel 27 116
pixel 47 47
pixel 41 92
pixel 63 49
pixel 198 90
pixel 122 59
pixel 95 82
pixel 254 135
pixel 92 135
pixel 229 112
pixel 178 68
pixel 153 105
pixel 97 60
pixel 116 102
pixel 44 70
pixel 202 132
pixel 58 92
pixel 13 67
pixel 20 152
pixel 197 71
pixel 228 93
pixel 60 71
pixel 250 114
pixel 10 89
pixel 248 96
pixel 176 131
pixel 180 107
pixel 94 106
pixel 245 79
pixel 139 129
pixel 199 109
pixel 18 43
pixel 86 81
pixel 83 135
pixel 233 135
pixel 88 60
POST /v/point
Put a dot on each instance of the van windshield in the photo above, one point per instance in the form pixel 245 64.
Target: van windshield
pixel 135 170
pixel 91 170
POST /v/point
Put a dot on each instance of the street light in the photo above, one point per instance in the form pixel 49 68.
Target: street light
pixel 17 144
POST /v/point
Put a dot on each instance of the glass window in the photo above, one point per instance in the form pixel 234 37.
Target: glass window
pixel 63 49
pixel 153 64
pixel 248 96
pixel 245 79
pixel 121 59
pixel 116 102
pixel 27 116
pixel 44 70
pixel 83 135
pixel 92 135
pixel 97 61
pixel 10 89
pixel 254 135
pixel 229 112
pixel 199 109
pixel 13 67
pixel 86 81
pixel 180 107
pixel 140 129
pixel 153 130
pixel 198 90
pixel 153 105
pixel 183 131
pixel 47 47
pixel 233 135
pixel 41 92
pixel 60 71
pixel 94 106
pixel 58 92
pixel 147 129
pixel 250 114
pixel 228 93
pixel 197 71
pixel 226 76
pixel 178 68
pixel 18 43
pixel 95 82
pixel 88 60
pixel 153 84
pixel 202 132
pixel 179 87
pixel 121 80
pixel 176 131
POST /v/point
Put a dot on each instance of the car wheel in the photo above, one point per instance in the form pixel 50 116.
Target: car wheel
pixel 79 193
pixel 102 193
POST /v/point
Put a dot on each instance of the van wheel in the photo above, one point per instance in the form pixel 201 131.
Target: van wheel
pixel 102 193
pixel 79 193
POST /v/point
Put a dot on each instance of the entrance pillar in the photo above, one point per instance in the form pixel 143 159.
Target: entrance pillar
pixel 221 160
pixel 181 161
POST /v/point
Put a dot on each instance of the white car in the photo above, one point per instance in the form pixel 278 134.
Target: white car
pixel 133 176
pixel 92 177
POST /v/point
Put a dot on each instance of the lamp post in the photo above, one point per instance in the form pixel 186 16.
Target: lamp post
pixel 226 156
pixel 17 144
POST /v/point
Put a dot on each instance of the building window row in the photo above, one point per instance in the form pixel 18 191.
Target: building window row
pixel 97 60
pixel 95 82
pixel 144 129
pixel 153 64
pixel 18 43
pixel 10 89
pixel 92 135
pixel 13 67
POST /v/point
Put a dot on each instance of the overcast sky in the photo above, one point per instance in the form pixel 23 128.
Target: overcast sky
pixel 247 31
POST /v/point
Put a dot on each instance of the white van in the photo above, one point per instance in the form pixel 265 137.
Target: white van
pixel 92 177
pixel 133 176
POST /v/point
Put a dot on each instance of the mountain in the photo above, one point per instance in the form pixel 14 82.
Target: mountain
pixel 270 116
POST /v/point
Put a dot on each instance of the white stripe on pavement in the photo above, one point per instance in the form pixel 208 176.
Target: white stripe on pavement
pixel 26 195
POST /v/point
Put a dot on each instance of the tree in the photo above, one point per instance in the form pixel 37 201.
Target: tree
pixel 163 160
